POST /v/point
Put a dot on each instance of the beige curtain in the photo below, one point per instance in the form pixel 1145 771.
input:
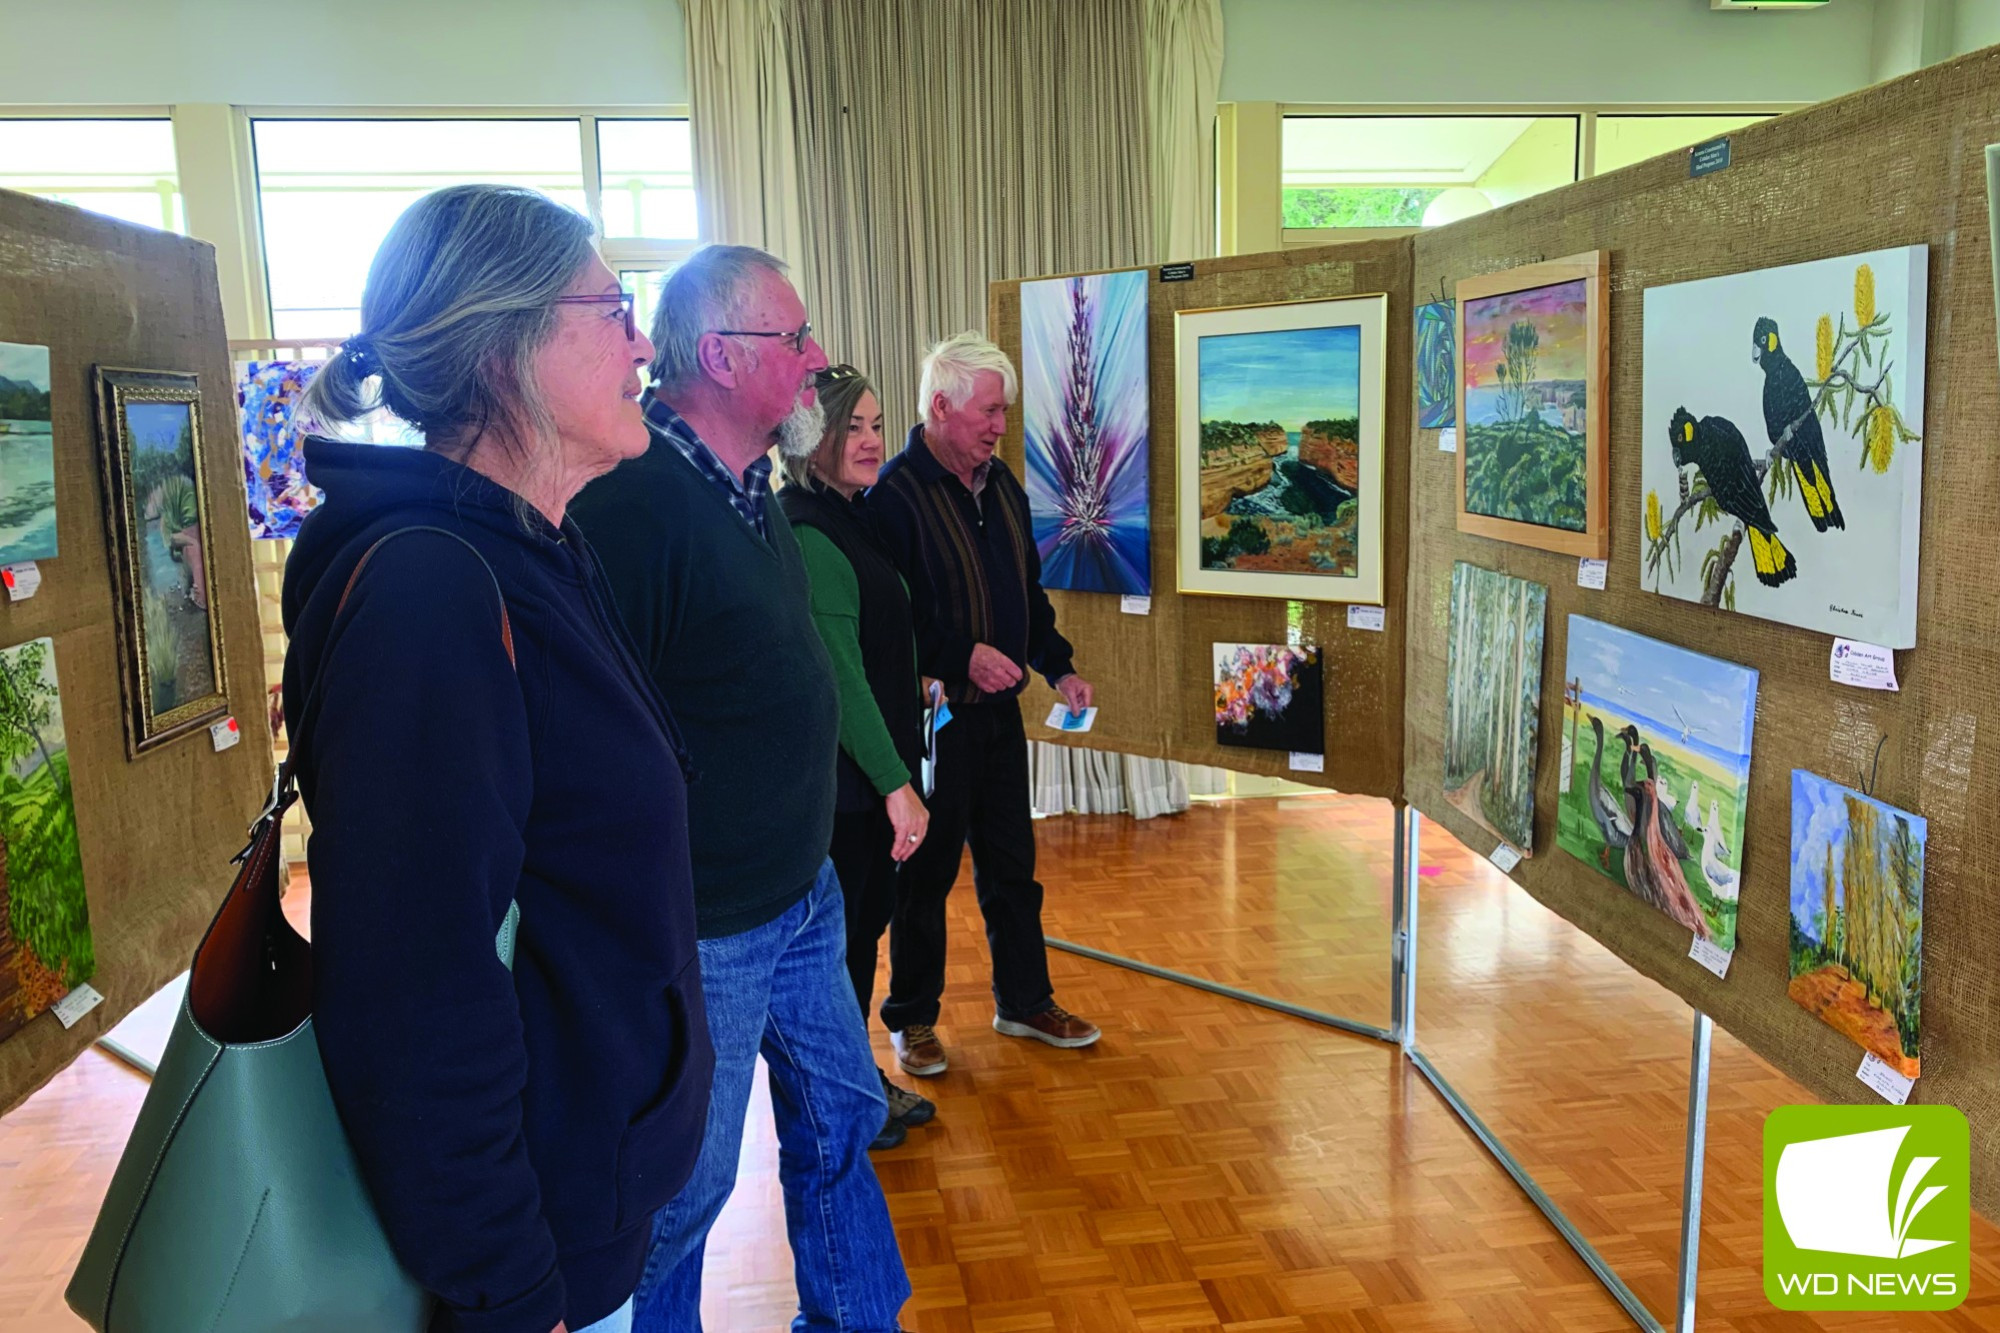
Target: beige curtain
pixel 1066 780
pixel 740 90
pixel 1183 75
pixel 943 144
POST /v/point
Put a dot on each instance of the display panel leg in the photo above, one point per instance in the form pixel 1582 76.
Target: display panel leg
pixel 1697 1152
pixel 1403 927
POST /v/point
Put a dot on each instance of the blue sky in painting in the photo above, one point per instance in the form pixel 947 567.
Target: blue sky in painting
pixel 25 362
pixel 1290 376
pixel 1668 687
pixel 156 425
pixel 1819 822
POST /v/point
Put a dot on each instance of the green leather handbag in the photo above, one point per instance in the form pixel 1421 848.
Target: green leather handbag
pixel 238 1206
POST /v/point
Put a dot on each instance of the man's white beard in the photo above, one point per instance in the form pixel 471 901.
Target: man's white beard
pixel 800 433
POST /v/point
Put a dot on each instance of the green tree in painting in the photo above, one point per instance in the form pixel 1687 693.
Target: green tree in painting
pixel 46 907
pixel 1517 372
pixel 1493 699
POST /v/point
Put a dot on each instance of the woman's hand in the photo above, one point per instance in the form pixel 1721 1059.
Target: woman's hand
pixel 909 819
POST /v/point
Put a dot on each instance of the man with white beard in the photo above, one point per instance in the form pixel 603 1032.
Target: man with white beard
pixel 713 589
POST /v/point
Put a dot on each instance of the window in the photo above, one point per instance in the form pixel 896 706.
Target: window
pixel 646 172
pixel 329 190
pixel 1623 140
pixel 122 168
pixel 1410 171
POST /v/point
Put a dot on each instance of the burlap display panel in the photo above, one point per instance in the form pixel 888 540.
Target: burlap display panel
pixel 156 834
pixel 1154 673
pixel 1895 165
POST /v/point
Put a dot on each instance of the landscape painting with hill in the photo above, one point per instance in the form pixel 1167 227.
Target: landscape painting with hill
pixel 27 455
pixel 1281 421
pixel 1531 406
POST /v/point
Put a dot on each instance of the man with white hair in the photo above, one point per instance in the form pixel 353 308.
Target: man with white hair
pixel 956 521
pixel 712 587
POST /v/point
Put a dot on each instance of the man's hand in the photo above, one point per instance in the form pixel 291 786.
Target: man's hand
pixel 1076 692
pixel 908 822
pixel 992 670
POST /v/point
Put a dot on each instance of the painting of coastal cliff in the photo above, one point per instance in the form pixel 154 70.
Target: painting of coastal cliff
pixel 1280 462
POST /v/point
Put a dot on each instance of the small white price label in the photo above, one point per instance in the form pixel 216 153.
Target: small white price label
pixel 1448 440
pixel 1135 606
pixel 1302 762
pixel 71 1008
pixel 1876 1073
pixel 224 734
pixel 1366 617
pixel 22 581
pixel 1590 573
pixel 1505 857
pixel 1710 956
pixel 1865 666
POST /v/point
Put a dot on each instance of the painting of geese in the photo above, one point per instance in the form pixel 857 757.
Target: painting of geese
pixel 1642 721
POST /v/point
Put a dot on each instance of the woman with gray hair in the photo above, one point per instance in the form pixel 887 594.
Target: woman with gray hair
pixel 478 747
pixel 861 607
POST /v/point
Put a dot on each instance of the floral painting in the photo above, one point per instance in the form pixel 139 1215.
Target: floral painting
pixel 45 940
pixel 1269 697
pixel 274 465
pixel 1086 415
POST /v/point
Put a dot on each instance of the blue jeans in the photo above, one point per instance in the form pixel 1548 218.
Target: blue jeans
pixel 618 1321
pixel 782 988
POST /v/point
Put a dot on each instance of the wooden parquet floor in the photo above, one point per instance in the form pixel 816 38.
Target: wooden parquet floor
pixel 1210 1165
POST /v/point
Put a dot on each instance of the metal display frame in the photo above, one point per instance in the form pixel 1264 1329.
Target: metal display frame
pixel 1402 1033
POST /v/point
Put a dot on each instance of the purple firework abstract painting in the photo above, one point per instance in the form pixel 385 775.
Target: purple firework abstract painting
pixel 1086 416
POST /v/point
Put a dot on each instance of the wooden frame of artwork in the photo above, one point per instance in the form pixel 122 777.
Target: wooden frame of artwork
pixel 1346 545
pixel 1593 538
pixel 157 518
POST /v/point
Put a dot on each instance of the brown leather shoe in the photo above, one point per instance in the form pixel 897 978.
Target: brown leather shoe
pixel 1054 1025
pixel 918 1050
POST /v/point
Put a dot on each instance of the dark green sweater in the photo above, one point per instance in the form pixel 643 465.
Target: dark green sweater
pixel 723 620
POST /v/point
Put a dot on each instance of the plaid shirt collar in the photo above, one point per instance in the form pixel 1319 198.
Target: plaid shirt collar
pixel 746 495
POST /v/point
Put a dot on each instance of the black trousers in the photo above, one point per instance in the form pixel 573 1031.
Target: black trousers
pixel 981 801
pixel 867 890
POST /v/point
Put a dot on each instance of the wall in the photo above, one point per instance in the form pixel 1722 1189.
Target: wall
pixel 1977 24
pixel 1352 51
pixel 352 53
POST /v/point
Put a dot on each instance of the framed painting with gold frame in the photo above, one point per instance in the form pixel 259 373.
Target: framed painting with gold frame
pixel 1534 406
pixel 150 447
pixel 1279 471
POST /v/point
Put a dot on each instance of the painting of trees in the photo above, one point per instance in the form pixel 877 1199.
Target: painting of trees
pixel 1857 916
pixel 1493 700
pixel 46 948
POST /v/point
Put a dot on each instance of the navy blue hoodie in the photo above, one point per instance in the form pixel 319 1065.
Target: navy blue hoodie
pixel 517 1132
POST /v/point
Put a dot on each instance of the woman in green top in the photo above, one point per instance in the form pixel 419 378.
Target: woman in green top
pixel 862 608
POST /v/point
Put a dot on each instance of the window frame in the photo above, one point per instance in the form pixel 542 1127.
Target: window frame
pixel 623 253
pixel 65 112
pixel 1586 115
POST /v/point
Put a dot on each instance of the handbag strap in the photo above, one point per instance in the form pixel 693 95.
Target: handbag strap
pixel 284 785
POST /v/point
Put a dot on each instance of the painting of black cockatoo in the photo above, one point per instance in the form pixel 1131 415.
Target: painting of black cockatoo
pixel 1784 480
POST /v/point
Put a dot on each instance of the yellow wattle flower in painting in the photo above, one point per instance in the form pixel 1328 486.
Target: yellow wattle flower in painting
pixel 1864 295
pixel 1881 438
pixel 1653 515
pixel 1823 337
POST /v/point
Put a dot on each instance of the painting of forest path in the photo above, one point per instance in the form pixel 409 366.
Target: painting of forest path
pixel 1655 774
pixel 1437 364
pixel 1525 362
pixel 1280 458
pixel 1857 931
pixel 1269 697
pixel 27 455
pixel 1086 414
pixel 173 575
pixel 1493 700
pixel 45 943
